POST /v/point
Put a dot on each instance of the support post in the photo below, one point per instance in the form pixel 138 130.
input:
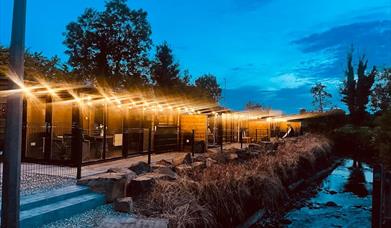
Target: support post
pixel 149 144
pixel 256 136
pixel 13 139
pixel 241 138
pixel 77 139
pixel 192 142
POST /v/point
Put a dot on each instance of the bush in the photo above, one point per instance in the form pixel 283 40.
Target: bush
pixel 355 141
pixel 383 138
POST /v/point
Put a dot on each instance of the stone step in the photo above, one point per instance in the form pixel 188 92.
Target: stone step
pixel 38 216
pixel 40 199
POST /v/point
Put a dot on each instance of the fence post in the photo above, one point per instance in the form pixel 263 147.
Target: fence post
pixel 192 142
pixel 256 136
pixel 241 138
pixel 79 147
pixel 77 140
pixel 149 145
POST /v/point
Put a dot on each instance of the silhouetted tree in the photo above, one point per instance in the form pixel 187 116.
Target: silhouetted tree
pixel 208 84
pixel 363 88
pixel 381 93
pixel 320 96
pixel 38 66
pixel 355 93
pixel 349 89
pixel 165 72
pixel 110 46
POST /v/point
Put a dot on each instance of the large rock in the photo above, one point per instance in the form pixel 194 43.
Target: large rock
pixel 256 147
pixel 121 171
pixel 113 185
pixel 183 169
pixel 182 159
pixel 231 156
pixel 165 163
pixel 166 171
pixel 198 166
pixel 140 167
pixel 242 154
pixel 209 162
pixel 200 158
pixel 124 205
pixel 144 183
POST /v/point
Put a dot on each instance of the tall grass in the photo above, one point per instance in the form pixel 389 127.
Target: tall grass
pixel 227 193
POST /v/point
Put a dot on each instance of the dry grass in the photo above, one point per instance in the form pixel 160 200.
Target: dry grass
pixel 227 194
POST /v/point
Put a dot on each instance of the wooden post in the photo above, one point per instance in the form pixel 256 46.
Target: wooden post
pixel 10 208
pixel 241 138
pixel 105 116
pixel 77 139
pixel 192 142
pixel 149 144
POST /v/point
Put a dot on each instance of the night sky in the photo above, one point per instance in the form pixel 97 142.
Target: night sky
pixel 266 51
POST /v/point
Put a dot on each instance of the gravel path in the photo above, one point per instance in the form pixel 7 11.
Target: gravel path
pixel 90 218
pixel 34 183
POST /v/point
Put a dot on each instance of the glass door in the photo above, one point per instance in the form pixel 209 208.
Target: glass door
pixel 37 129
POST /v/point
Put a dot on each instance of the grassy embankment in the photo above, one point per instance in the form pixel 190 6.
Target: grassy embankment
pixel 228 192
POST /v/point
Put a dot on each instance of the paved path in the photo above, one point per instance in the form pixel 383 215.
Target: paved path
pixel 125 163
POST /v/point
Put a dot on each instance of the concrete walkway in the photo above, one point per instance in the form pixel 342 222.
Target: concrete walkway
pixel 125 163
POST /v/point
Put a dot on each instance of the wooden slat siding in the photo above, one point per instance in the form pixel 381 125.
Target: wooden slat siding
pixel 196 122
pixel 261 125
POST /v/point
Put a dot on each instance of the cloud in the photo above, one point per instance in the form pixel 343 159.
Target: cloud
pixel 290 81
pixel 326 51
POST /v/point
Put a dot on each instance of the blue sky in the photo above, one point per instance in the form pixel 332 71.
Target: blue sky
pixel 267 51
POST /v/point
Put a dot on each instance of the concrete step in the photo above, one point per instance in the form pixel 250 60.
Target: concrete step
pixel 40 199
pixel 43 214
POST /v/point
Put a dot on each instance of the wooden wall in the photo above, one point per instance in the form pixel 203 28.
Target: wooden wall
pixel 196 122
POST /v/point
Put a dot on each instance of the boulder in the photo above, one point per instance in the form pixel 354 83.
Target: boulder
pixel 145 183
pixel 198 166
pixel 140 167
pixel 183 169
pixel 182 159
pixel 243 154
pixel 113 185
pixel 166 171
pixel 200 158
pixel 121 171
pixel 256 147
pixel 164 162
pixel 209 162
pixel 231 156
pixel 124 205
pixel 219 157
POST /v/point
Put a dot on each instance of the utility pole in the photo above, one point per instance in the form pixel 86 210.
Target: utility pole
pixel 13 139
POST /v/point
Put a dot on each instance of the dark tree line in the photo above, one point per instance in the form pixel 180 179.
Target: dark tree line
pixel 113 46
